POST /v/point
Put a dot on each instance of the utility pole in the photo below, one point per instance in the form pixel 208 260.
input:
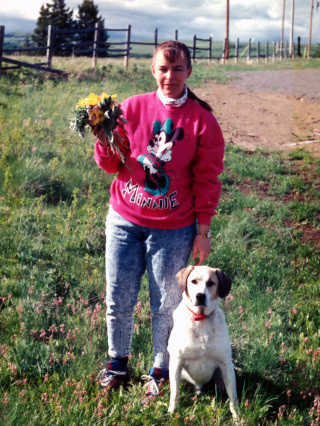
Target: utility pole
pixel 310 31
pixel 282 28
pixel 291 49
pixel 227 31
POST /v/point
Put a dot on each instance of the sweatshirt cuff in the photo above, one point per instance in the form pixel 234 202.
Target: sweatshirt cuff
pixel 102 149
pixel 204 218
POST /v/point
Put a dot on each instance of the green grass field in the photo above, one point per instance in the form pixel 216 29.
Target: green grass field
pixel 53 203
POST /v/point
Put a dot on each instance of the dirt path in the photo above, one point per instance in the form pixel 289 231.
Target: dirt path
pixel 269 109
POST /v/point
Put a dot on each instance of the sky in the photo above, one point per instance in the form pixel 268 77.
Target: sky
pixel 260 20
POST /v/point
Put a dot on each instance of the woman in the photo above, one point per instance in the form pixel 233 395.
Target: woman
pixel 162 202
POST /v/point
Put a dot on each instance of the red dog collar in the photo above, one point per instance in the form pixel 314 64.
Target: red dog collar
pixel 197 317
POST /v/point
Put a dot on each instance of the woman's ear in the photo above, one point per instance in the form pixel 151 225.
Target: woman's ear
pixel 152 69
pixel 189 71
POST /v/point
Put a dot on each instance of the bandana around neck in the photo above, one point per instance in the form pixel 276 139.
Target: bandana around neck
pixel 173 102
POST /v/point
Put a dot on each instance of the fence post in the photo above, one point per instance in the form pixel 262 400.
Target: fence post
pixel 292 50
pixel 236 53
pixel 126 58
pixel 249 51
pixel 1 45
pixel 194 48
pixel 286 49
pixel 223 59
pixel 176 35
pixel 267 51
pixel 210 48
pixel 299 46
pixel 95 45
pixel 155 38
pixel 274 52
pixel 258 51
pixel 50 45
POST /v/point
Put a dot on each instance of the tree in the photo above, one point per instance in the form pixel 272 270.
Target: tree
pixel 88 17
pixel 40 33
pixel 27 44
pixel 57 14
pixel 61 18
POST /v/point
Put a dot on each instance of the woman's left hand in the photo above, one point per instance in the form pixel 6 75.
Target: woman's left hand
pixel 201 247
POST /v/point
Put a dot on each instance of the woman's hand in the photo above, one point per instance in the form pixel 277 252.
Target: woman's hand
pixel 100 134
pixel 201 245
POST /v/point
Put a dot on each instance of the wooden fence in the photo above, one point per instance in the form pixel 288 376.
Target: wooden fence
pixel 124 47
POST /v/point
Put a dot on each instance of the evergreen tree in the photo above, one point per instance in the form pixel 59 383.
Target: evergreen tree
pixel 61 18
pixel 88 17
pixel 40 34
pixel 57 14
pixel 27 44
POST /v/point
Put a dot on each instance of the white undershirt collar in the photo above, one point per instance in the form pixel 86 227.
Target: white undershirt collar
pixel 173 102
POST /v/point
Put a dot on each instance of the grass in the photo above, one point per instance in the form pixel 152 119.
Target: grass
pixel 53 202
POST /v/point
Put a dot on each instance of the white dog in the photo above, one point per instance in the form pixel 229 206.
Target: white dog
pixel 199 342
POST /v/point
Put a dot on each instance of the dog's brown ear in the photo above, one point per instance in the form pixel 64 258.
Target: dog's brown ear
pixel 182 277
pixel 224 285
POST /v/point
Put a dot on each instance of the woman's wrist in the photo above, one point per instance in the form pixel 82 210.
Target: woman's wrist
pixel 204 230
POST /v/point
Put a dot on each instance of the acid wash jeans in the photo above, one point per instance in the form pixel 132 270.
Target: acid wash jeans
pixel 130 250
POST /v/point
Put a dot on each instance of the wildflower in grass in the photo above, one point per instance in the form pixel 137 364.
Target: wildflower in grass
pixel 100 110
pixel 13 368
pixel 281 411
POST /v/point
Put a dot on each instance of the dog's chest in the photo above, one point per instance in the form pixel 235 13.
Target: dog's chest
pixel 203 336
pixel 199 339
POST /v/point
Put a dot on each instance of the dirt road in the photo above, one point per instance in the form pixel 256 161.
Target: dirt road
pixel 269 109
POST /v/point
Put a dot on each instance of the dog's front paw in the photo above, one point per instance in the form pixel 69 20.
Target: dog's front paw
pixel 234 412
pixel 172 407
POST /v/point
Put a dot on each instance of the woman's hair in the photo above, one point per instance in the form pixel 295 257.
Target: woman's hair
pixel 172 51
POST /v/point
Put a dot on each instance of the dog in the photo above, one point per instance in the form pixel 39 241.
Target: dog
pixel 199 341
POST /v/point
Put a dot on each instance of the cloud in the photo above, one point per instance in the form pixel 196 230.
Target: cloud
pixel 17 24
pixel 260 20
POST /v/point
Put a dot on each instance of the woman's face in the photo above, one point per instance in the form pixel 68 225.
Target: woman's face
pixel 170 76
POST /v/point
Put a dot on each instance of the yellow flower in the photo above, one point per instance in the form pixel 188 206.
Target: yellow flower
pixel 96 115
pixel 81 103
pixel 93 100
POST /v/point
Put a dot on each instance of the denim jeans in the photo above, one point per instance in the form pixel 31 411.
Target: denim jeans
pixel 131 250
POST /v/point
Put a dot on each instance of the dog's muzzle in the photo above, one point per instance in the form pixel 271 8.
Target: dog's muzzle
pixel 201 299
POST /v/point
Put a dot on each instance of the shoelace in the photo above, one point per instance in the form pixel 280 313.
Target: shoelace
pixel 105 373
pixel 152 383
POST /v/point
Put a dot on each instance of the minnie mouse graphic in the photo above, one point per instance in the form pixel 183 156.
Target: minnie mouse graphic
pixel 157 182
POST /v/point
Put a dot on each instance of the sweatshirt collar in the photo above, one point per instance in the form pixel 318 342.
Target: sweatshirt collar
pixel 173 102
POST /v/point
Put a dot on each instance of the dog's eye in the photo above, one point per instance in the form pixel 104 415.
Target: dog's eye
pixel 194 281
pixel 210 283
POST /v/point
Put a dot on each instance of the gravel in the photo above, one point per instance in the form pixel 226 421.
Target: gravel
pixel 301 83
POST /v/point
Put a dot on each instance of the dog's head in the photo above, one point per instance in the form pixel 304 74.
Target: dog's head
pixel 203 286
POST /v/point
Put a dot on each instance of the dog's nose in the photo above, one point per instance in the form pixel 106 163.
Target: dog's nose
pixel 201 297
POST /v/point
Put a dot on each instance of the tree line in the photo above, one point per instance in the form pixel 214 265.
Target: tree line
pixel 61 17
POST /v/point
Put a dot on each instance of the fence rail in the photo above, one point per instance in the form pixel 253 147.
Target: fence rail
pixel 200 46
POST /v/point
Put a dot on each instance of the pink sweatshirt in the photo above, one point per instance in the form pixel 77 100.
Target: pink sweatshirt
pixel 174 158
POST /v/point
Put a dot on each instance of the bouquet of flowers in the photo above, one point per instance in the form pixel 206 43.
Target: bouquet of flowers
pixel 100 110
